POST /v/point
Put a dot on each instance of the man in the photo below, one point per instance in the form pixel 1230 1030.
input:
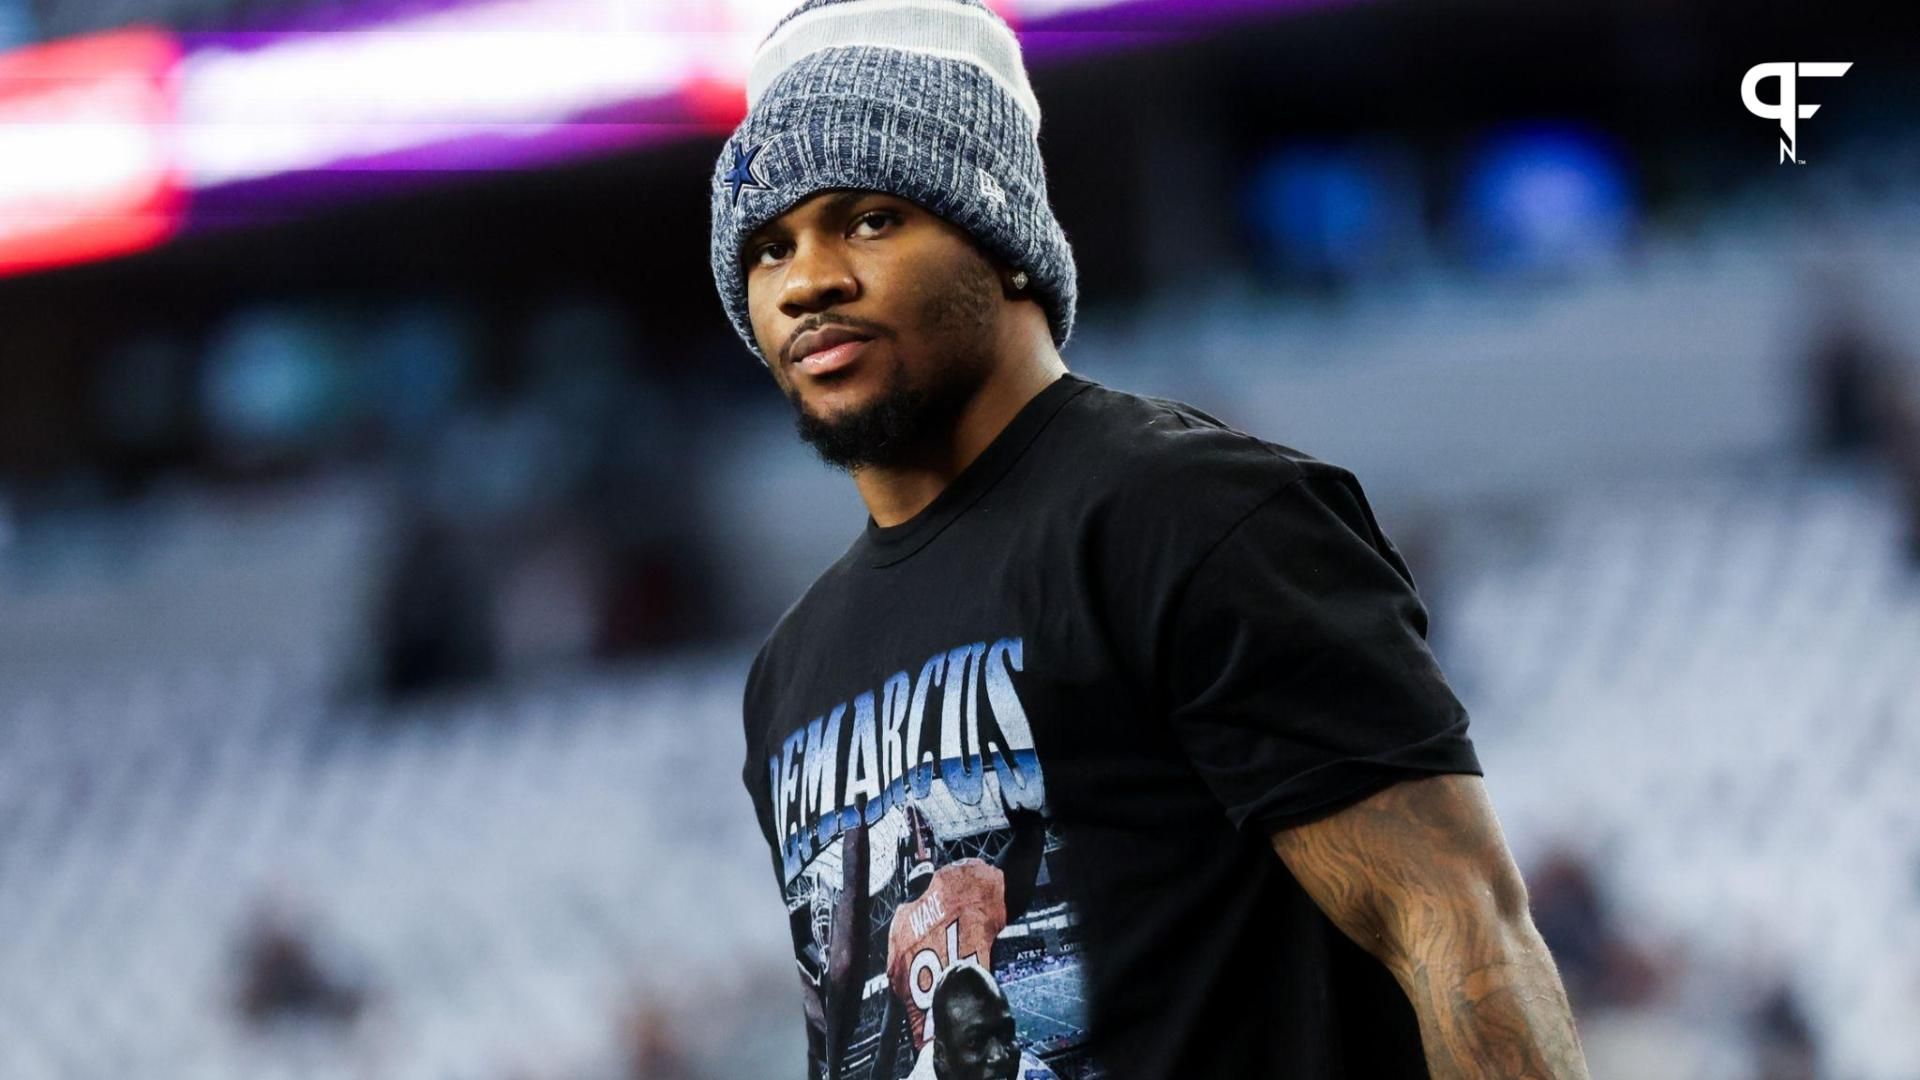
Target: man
pixel 951 914
pixel 973 1035
pixel 1189 650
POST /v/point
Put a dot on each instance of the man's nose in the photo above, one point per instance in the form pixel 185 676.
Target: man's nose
pixel 818 277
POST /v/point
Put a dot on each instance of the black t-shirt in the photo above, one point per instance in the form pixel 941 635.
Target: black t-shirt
pixel 1043 730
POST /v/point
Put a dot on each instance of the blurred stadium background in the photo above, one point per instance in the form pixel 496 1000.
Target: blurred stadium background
pixel 387 513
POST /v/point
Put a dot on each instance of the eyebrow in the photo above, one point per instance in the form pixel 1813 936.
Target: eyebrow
pixel 836 204
pixel 840 201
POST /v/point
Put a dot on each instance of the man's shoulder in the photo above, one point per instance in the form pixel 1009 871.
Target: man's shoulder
pixel 792 623
pixel 1149 439
pixel 826 587
pixel 1149 456
pixel 975 872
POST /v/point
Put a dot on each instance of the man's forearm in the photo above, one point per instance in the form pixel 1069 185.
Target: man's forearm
pixel 1491 1004
pixel 1419 876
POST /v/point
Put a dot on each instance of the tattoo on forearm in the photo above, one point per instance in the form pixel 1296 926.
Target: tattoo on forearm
pixel 1419 876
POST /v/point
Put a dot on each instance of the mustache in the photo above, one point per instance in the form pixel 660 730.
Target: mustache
pixel 858 325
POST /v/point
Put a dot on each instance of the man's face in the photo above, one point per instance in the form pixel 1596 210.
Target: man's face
pixel 922 301
pixel 973 1040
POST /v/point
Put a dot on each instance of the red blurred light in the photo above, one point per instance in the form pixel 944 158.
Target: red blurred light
pixel 84 130
pixel 717 102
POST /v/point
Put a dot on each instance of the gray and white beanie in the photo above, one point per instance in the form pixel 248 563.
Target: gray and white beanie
pixel 924 99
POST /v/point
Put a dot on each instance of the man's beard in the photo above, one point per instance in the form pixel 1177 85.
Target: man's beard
pixel 894 427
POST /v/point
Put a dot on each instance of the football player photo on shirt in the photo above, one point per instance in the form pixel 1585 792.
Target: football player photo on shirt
pixel 931 937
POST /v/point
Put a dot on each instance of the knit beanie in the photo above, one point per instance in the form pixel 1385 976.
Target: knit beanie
pixel 924 99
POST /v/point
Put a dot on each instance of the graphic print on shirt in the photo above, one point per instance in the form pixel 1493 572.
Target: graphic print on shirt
pixel 915 852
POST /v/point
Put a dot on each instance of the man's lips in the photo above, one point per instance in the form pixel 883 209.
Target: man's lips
pixel 831 358
pixel 827 348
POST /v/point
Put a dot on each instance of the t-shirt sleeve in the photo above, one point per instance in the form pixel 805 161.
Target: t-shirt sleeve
pixel 1298 676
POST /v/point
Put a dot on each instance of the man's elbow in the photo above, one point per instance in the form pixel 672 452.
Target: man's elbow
pixel 1417 874
pixel 1503 892
pixel 1473 916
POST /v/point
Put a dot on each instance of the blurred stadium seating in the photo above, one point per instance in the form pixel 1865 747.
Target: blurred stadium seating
pixel 1707 687
pixel 500 876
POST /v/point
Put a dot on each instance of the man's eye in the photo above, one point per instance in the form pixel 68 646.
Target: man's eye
pixel 758 256
pixel 882 217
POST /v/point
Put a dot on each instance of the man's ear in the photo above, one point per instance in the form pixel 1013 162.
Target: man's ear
pixel 1015 283
pixel 1005 273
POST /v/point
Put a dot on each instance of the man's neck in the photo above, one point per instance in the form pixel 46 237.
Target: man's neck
pixel 895 493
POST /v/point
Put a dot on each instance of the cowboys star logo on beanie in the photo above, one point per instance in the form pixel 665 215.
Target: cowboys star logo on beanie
pixel 924 99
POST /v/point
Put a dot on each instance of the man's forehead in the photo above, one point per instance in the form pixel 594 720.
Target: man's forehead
pixel 973 1008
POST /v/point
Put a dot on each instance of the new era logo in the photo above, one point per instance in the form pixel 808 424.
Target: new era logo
pixel 990 189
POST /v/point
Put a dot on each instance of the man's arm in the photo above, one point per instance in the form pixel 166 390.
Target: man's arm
pixel 847 952
pixel 1419 876
pixel 1020 862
